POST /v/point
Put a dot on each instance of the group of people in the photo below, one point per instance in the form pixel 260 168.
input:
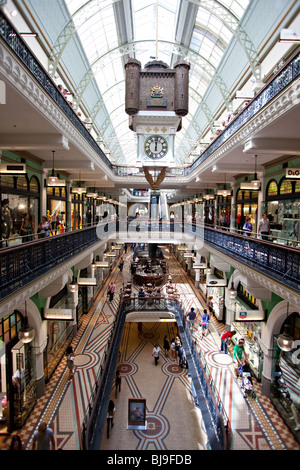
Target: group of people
pixel 203 325
pixel 263 227
pixel 177 351
pixel 149 290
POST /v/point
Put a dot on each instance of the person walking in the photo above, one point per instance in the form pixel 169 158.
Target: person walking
pixel 166 345
pixel 110 419
pixel 225 337
pixel 43 438
pixel 111 291
pixel 191 316
pixel 173 350
pixel 156 353
pixel 180 355
pixel 248 227
pixel 118 383
pixel 177 344
pixel 264 227
pixel 238 353
pixel 121 264
pixel 205 322
pixel 70 362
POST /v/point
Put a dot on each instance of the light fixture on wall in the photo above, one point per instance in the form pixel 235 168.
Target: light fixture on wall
pixel 73 286
pixel 224 192
pixel 92 194
pixel 254 184
pixel 289 35
pixel 285 340
pixel 80 189
pixel 26 333
pixel 54 180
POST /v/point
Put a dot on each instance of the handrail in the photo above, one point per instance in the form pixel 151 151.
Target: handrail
pixel 24 263
pixel 13 39
pixel 223 418
pixel 281 80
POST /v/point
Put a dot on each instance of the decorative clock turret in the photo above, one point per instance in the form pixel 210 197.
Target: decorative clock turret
pixel 156 99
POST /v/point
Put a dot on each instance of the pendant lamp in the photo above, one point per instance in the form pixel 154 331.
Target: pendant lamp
pixel 26 333
pixel 285 340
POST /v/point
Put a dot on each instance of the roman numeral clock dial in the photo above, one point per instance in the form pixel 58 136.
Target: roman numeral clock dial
pixel 156 147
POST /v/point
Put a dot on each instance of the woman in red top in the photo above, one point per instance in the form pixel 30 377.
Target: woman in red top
pixel 224 338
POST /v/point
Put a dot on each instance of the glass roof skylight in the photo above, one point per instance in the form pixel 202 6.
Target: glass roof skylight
pixel 153 25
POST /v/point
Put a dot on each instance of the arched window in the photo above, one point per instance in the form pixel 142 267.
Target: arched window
pixel 285 187
pixel 272 189
pixel 22 182
pixel 34 185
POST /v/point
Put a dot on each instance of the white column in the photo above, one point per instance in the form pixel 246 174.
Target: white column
pixel 197 277
pixel 233 207
pixel 44 193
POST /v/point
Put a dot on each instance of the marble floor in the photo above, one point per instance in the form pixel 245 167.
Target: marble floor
pixel 173 420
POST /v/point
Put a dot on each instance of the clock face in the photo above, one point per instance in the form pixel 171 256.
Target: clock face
pixel 156 147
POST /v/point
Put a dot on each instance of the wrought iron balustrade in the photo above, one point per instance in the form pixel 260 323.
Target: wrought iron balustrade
pixel 278 83
pixel 24 263
pixel 22 51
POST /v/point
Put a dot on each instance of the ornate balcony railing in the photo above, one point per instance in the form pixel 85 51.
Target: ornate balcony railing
pixel 24 263
pixel 278 83
pixel 19 47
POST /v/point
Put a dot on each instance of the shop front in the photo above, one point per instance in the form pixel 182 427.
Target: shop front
pixel 285 389
pixel 209 212
pixel 59 315
pixel 17 375
pixel 223 211
pixel 77 211
pixel 248 318
pixel 283 210
pixel 246 206
pixel 19 196
pixel 216 282
pixel 57 208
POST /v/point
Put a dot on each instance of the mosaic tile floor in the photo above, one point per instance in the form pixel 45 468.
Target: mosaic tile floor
pixel 255 423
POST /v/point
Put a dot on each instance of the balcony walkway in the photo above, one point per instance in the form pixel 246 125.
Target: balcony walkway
pixel 255 423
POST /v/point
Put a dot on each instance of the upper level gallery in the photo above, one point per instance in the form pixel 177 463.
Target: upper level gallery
pixel 39 119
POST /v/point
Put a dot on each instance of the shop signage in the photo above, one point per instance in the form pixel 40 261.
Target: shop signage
pixel 58 314
pixel 242 313
pixel 292 173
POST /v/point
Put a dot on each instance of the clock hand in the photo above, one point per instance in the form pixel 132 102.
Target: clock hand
pixel 156 146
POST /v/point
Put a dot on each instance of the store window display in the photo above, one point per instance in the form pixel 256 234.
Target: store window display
pixel 246 206
pixel 283 210
pixel 17 375
pixel 285 390
pixel 250 330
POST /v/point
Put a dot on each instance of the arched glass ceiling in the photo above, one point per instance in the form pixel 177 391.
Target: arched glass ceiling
pixel 149 29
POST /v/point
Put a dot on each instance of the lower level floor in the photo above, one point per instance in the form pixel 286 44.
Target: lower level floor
pixel 174 421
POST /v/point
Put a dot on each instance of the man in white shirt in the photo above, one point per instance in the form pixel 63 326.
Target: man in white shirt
pixel 264 227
